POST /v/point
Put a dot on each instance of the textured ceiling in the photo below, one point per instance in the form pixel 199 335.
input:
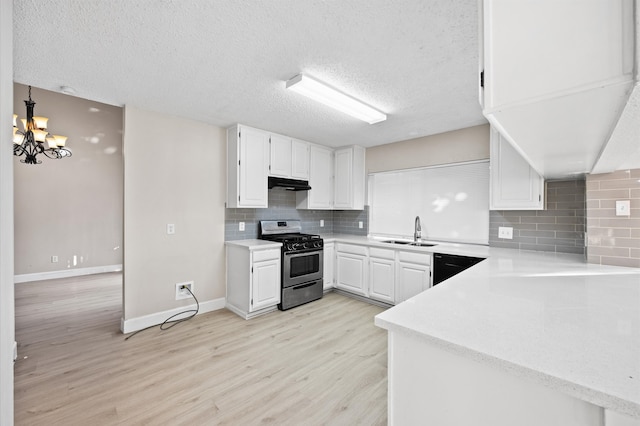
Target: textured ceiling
pixel 226 61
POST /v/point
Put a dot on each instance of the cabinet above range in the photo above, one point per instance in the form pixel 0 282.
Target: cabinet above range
pixel 257 158
pixel 288 158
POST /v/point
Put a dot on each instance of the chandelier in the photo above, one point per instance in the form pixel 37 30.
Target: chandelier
pixel 31 141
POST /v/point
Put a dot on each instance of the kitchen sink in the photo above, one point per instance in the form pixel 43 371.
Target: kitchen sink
pixel 409 243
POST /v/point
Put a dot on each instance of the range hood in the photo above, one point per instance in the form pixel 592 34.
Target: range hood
pixel 289 184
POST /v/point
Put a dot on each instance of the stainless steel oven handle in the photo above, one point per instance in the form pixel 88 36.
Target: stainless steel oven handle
pixel 306 251
pixel 301 286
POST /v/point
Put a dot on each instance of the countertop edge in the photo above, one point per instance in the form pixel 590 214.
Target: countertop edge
pixel 584 393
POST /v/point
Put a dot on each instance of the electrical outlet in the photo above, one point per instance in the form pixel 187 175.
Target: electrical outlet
pixel 240 226
pixel 360 224
pixel 505 232
pixel 181 292
pixel 623 207
pixel 321 223
pixel 54 259
pixel 171 228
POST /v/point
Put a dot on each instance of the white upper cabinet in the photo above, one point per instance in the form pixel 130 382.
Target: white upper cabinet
pixel 299 159
pixel 515 185
pixel 289 157
pixel 280 155
pixel 557 75
pixel 349 185
pixel 247 167
pixel 320 196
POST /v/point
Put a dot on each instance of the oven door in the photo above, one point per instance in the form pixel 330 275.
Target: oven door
pixel 298 268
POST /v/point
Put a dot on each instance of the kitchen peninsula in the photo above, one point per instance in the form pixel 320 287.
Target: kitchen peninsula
pixel 526 338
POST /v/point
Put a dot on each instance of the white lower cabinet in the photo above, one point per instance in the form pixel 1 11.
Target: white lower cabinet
pixel 414 274
pixel 253 280
pixel 265 283
pixel 328 272
pixel 351 268
pixel 382 275
pixel 386 275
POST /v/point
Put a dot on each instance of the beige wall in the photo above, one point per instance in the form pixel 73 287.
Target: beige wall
pixel 613 240
pixel 72 206
pixel 457 146
pixel 174 173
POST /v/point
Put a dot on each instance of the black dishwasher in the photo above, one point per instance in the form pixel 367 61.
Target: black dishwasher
pixel 447 265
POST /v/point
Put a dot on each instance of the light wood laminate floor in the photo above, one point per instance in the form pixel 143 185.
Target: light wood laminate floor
pixel 321 363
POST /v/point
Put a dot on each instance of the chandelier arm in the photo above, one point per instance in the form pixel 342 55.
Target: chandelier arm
pixel 51 153
pixel 64 152
pixel 18 150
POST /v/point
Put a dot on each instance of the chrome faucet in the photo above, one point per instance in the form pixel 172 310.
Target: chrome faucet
pixel 417 234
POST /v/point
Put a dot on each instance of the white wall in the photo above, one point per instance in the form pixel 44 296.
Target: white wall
pixel 7 318
pixel 469 144
pixel 174 172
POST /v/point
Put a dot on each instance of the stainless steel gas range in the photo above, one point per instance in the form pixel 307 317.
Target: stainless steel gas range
pixel 302 261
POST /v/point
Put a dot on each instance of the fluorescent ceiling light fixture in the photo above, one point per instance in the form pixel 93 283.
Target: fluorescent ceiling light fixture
pixel 329 96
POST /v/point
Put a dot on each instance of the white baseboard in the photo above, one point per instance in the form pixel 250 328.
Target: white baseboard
pixel 65 273
pixel 247 315
pixel 135 324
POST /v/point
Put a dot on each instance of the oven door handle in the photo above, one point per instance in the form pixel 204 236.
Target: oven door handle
pixel 301 252
pixel 301 286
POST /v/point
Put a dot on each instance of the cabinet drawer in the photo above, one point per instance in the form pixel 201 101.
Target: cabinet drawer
pixel 353 249
pixel 410 257
pixel 260 255
pixel 382 253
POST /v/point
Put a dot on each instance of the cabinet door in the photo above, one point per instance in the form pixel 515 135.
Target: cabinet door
pixel 328 266
pixel 349 182
pixel 265 286
pixel 253 168
pixel 300 160
pixel 343 183
pixel 320 196
pixel 412 279
pixel 382 279
pixel 280 154
pixel 515 185
pixel 351 273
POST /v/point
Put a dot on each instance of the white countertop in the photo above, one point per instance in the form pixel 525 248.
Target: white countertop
pixel 254 244
pixel 552 318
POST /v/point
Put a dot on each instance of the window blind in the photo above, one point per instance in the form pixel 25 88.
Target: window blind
pixel 451 200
